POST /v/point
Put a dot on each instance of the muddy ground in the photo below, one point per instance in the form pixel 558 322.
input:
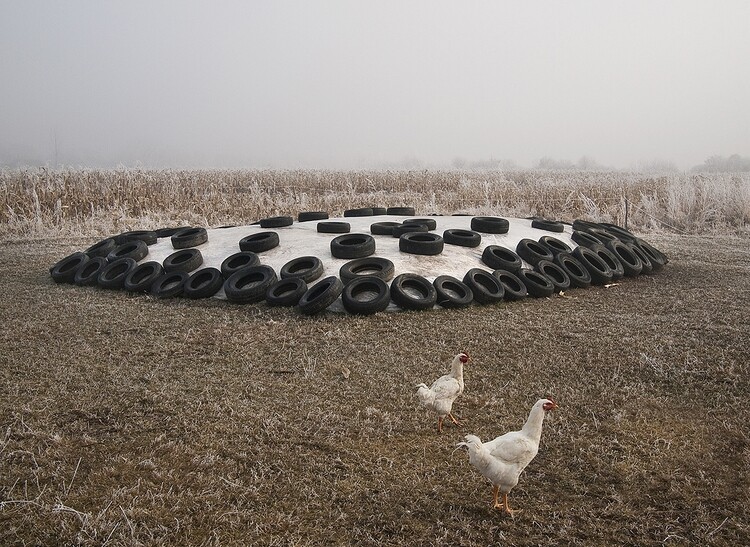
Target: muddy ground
pixel 130 421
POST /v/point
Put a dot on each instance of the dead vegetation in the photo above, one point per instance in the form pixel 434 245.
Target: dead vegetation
pixel 130 421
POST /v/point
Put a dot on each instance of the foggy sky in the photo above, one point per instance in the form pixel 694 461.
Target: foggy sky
pixel 347 84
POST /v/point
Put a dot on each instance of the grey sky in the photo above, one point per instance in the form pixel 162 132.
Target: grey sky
pixel 356 84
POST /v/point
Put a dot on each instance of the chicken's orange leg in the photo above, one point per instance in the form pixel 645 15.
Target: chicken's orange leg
pixel 507 506
pixel 440 424
pixel 495 492
pixel 453 419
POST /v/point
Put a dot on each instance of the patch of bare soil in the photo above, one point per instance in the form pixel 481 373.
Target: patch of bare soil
pixel 127 420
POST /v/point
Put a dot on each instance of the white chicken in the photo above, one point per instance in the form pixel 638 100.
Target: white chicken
pixel 503 459
pixel 440 396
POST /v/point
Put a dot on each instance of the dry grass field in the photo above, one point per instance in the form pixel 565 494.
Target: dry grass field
pixel 130 421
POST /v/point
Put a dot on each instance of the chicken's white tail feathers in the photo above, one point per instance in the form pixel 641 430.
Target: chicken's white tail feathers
pixel 426 395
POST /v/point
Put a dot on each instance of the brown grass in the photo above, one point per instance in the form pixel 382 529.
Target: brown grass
pixel 130 421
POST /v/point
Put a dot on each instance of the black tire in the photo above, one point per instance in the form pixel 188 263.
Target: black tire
pixel 184 260
pixel 321 295
pixel 548 225
pixel 486 287
pixel 88 272
pixel 377 211
pixel 599 271
pixel 360 212
pixel 612 261
pixel 367 267
pixel 286 292
pixel 585 225
pixel 334 227
pixel 147 236
pixel 64 270
pixel 352 246
pixel 366 296
pixel 189 237
pixel 515 289
pixel 135 249
pixel 631 264
pixel 498 257
pixel 586 239
pixel 383 228
pixel 431 223
pixel 533 251
pixel 249 284
pixel 554 245
pixel 452 293
pixel 400 211
pixel 413 292
pixel 623 234
pixel 257 243
pixel 647 267
pixel 603 235
pixel 308 268
pixel 419 243
pixel 537 285
pixel 307 216
pixel 578 274
pixel 237 261
pixel 557 276
pixel 169 232
pixel 113 274
pixel 203 283
pixel 462 238
pixel 140 278
pixel 657 258
pixel 276 222
pixel 102 248
pixel 170 284
pixel 407 228
pixel 490 225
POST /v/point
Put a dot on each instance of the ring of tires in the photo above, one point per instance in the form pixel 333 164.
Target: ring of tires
pixel 257 243
pixel 87 273
pixel 64 270
pixel 366 295
pixel 237 261
pixel 113 274
pixel 367 267
pixel 321 295
pixel 308 268
pixel 413 292
pixel 486 287
pixel 307 216
pixel 184 260
pixel 189 237
pixel 599 271
pixel 490 225
pixel 147 236
pixel 102 248
pixel 383 228
pixel 276 222
pixel 533 251
pixel 603 235
pixel 352 246
pixel 647 267
pixel 537 285
pixel 170 284
pixel 401 229
pixel 421 243
pixel 585 239
pixel 462 238
pixel 452 293
pixel 248 285
pixel 515 289
pixel 612 261
pixel 631 264
pixel 578 274
pixel 286 292
pixel 548 225
pixel 203 283
pixel 554 245
pixel 135 249
pixel 498 257
pixel 140 278
pixel 431 223
pixel 334 227
pixel 557 276
pixel 400 211
pixel 169 232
